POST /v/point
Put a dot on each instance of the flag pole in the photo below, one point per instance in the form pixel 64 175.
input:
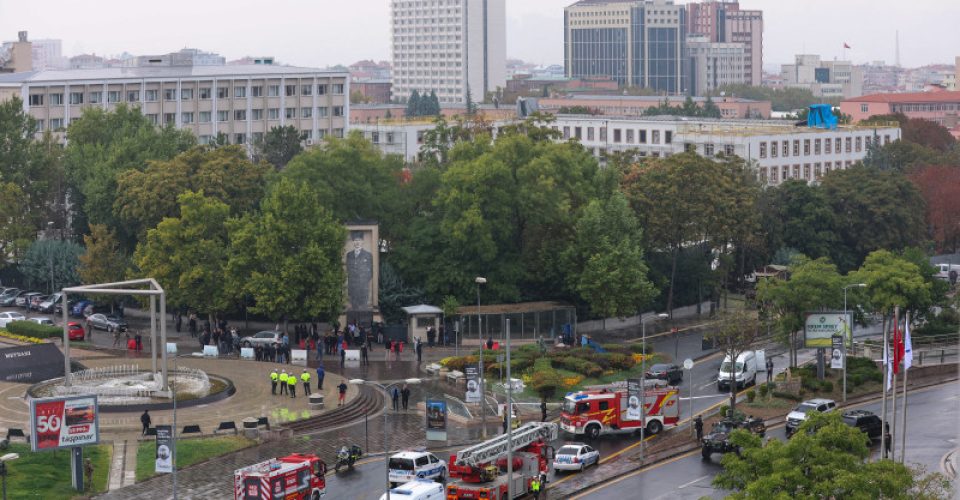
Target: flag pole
pixel 883 391
pixel 903 432
pixel 893 363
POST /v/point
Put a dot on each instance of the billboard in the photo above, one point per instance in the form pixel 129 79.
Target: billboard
pixel 64 422
pixel 164 462
pixel 818 328
pixel 31 363
pixel 633 399
pixel 838 356
pixel 474 394
pixel 436 420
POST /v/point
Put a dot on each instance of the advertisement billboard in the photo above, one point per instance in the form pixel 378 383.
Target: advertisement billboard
pixel 436 420
pixel 64 422
pixel 474 394
pixel 818 328
pixel 633 399
pixel 164 462
pixel 838 356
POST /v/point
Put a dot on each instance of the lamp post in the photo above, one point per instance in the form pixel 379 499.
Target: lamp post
pixel 483 389
pixel 386 450
pixel 850 326
pixel 50 257
pixel 643 375
pixel 3 470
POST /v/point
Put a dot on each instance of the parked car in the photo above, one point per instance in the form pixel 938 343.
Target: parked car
pixel 49 303
pixel 866 421
pixel 673 374
pixel 24 299
pixel 40 320
pixel 35 302
pixel 261 339
pixel 78 308
pixel 9 295
pixel 575 456
pixel 799 414
pixel 108 323
pixel 407 466
pixel 75 331
pixel 741 373
pixel 9 316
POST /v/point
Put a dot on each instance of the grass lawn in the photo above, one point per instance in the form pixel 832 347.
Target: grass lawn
pixel 189 452
pixel 46 474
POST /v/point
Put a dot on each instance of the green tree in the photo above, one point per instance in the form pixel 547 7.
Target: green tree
pixel 280 145
pixel 51 264
pixel 786 99
pixel 413 105
pixel 395 294
pixel 798 215
pixel 825 459
pixel 16 232
pixel 813 285
pixel 893 281
pixel 146 197
pixel 102 261
pixel 188 255
pixel 289 257
pixel 918 131
pixel 738 332
pixel 471 107
pixel 710 109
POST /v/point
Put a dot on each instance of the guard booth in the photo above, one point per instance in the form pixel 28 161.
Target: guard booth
pixel 528 322
pixel 420 317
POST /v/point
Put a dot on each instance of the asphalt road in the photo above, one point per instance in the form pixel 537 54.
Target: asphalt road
pixel 931 413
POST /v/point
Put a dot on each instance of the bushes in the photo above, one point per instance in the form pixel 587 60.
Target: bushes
pixel 639 348
pixel 546 382
pixel 578 365
pixel 826 386
pixel 786 395
pixel 621 361
pixel 751 395
pixel 763 389
pixel 31 329
pixel 861 371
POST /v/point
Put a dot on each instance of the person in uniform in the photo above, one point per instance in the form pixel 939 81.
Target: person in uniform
pixel 283 382
pixel 292 385
pixel 273 381
pixel 305 378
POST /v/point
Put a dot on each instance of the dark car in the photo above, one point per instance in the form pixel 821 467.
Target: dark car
pixel 718 440
pixel 673 374
pixel 866 421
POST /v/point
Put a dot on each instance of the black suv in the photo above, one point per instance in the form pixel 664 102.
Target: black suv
pixel 718 441
pixel 866 421
pixel 673 374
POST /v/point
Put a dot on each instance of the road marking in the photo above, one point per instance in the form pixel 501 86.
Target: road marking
pixel 709 396
pixel 684 485
pixel 634 473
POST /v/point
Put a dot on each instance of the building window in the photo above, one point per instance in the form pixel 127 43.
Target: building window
pixel 169 118
pixel 338 90
pixel 389 137
pixel 56 124
pixel 837 145
pixel 827 145
pixel 322 89
pixel 566 133
pixel 848 145
pixel 239 92
pixel 133 96
pixel 186 94
pixel 816 146
pixel 322 112
pixel 708 149
pixel 642 136
pixel 816 171
pixel 668 137
pixel 774 175
pixel 773 149
pixel 578 133
pixel 338 111
pixel 96 97
pixel 240 114
pixel 728 149
pixel 151 96
pixel 56 99
pixel 655 137
pixel 273 91
pixel 806 147
pixel 306 90
pixel 786 149
pixel 617 135
pixel 257 114
pixel 204 117
pixel 306 112
pixel 603 134
pixel 273 114
pixel 169 94
pixel 290 113
pixel 321 134
pixel 763 175
pixel 40 124
pixel 36 99
pixel 806 170
pixel 113 96
pixel 338 132
pixel 629 136
pixel 76 98
pixel 864 108
pixel 763 153
pixel 203 139
pixel 796 171
pixel 223 116
pixel 204 92
pixel 256 91
pixel 859 144
pixel 786 172
pixel 239 138
pixel 153 118
pixel 826 168
pixel 589 133
pixel 290 90
pixel 186 118
pixel 375 137
pixel 223 92
pixel 796 147
pixel 257 137
pixel 886 140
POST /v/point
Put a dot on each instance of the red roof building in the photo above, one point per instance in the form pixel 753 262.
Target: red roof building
pixel 942 107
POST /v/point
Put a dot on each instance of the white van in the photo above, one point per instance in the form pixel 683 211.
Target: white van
pixel 742 373
pixel 419 489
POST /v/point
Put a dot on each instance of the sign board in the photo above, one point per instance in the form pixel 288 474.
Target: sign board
pixel 474 395
pixel 838 356
pixel 31 363
pixel 633 399
pixel 818 328
pixel 64 422
pixel 436 420
pixel 164 461
pixel 247 353
pixel 688 364
pixel 298 357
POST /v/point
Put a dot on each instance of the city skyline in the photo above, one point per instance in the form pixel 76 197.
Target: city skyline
pixel 534 30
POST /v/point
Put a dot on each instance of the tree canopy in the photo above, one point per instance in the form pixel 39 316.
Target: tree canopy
pixel 279 145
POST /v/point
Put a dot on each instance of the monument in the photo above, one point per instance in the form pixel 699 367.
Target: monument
pixel 361 260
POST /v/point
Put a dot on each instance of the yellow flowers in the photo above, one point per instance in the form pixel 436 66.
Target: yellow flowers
pixel 569 382
pixel 21 338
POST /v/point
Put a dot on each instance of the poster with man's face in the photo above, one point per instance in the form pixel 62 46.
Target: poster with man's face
pixel 360 263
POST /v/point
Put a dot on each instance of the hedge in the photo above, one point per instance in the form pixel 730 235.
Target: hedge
pixel 786 395
pixel 35 330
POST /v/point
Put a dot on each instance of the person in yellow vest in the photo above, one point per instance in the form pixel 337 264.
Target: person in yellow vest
pixel 535 487
pixel 273 382
pixel 292 385
pixel 305 378
pixel 283 382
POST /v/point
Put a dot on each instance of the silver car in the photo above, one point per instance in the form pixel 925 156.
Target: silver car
pixel 108 323
pixel 261 339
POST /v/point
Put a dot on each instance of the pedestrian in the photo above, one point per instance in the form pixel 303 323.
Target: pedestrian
pixel 418 347
pixel 292 385
pixel 430 336
pixel 139 339
pixel 178 322
pixel 145 421
pixel 319 346
pixel 543 410
pixel 258 352
pixel 490 343
pixel 887 440
pixel 320 374
pixel 506 418
pixel 395 398
pixel 535 487
pixel 343 357
pixel 192 321
pixel 283 382
pixel 274 376
pixel 305 378
pixel 342 388
pixel 405 396
pixel 698 425
pixel 442 336
pixel 88 474
pixel 363 353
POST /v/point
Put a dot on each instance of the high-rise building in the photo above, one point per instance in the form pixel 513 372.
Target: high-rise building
pixel 449 47
pixel 725 22
pixel 823 78
pixel 713 64
pixel 47 54
pixel 638 43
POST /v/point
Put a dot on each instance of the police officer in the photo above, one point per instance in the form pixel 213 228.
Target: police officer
pixel 292 385
pixel 698 425
pixel 305 378
pixel 320 374
pixel 273 381
pixel 535 487
pixel 283 382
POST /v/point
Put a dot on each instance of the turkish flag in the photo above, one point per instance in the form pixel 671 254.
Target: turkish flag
pixel 898 348
pixel 845 45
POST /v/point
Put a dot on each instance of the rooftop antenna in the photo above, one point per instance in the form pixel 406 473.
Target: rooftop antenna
pixel 897 55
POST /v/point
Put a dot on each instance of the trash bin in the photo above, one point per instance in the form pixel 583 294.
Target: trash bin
pixel 250 429
pixel 316 401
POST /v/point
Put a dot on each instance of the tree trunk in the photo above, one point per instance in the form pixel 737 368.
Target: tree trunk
pixel 673 277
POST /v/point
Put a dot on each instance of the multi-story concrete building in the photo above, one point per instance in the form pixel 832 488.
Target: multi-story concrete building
pixel 823 78
pixel 941 107
pixel 449 47
pixel 778 150
pixel 614 105
pixel 725 22
pixel 16 57
pixel 713 64
pixel 637 43
pixel 242 102
pixel 183 57
pixel 47 54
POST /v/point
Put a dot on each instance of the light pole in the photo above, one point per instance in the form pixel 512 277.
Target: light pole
pixel 849 326
pixel 483 388
pixel 509 415
pixel 50 256
pixel 3 470
pixel 172 350
pixel 386 450
pixel 643 379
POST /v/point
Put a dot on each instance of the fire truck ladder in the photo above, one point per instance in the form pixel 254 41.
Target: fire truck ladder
pixel 490 450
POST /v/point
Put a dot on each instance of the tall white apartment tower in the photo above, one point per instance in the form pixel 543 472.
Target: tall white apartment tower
pixel 448 46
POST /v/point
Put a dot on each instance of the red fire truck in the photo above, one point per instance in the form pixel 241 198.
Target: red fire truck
pixel 612 409
pixel 479 472
pixel 293 477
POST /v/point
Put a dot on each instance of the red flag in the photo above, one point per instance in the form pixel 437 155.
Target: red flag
pixel 897 347
pixel 845 45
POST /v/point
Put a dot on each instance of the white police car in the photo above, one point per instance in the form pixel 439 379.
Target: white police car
pixel 421 489
pixel 575 456
pixel 409 465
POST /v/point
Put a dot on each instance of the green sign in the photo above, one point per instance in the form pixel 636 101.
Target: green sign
pixel 819 327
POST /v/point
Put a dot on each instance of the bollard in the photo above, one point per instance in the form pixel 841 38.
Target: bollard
pixel 250 428
pixel 316 401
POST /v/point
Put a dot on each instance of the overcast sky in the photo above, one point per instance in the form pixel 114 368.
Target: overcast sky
pixel 327 32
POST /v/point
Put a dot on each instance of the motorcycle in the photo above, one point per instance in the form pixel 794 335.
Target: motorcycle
pixel 346 457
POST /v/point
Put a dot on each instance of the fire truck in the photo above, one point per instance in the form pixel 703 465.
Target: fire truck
pixel 613 409
pixel 479 472
pixel 293 477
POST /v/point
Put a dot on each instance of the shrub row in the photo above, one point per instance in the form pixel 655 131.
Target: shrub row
pixel 31 329
pixel 786 395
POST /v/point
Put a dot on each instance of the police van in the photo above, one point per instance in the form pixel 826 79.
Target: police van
pixel 410 465
pixel 421 489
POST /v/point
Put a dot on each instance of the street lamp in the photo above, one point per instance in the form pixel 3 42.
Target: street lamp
pixel 643 379
pixel 50 256
pixel 3 470
pixel 386 450
pixel 483 414
pixel 844 343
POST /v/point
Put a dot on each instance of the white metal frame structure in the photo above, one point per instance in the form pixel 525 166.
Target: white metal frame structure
pixel 497 447
pixel 132 287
